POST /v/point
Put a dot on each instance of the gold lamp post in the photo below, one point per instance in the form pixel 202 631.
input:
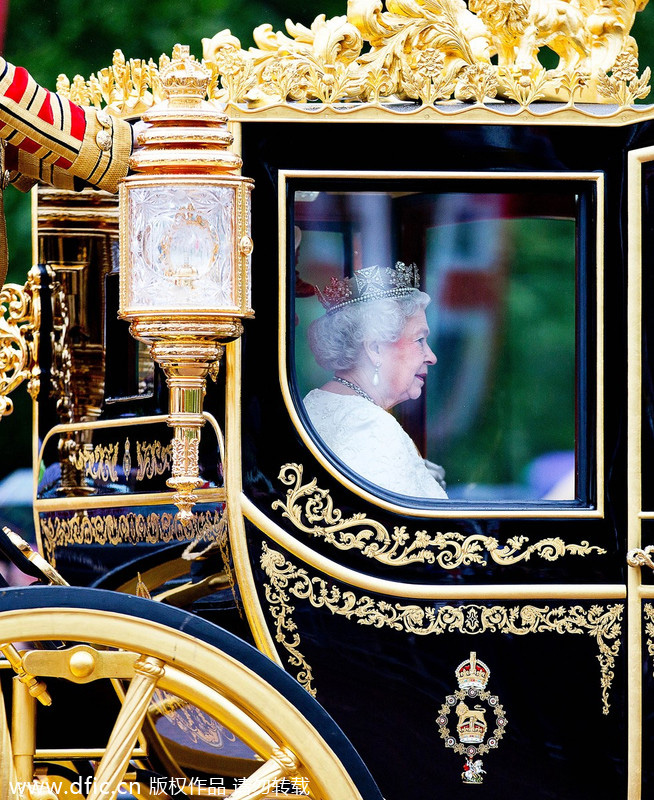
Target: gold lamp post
pixel 185 251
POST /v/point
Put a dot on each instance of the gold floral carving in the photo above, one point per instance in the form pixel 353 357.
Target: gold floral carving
pixel 623 86
pixel 431 51
pixel 286 581
pixel 125 88
pixel 312 511
pixel 19 332
pixel 129 528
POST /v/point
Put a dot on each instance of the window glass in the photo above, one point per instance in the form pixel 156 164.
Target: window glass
pixel 497 409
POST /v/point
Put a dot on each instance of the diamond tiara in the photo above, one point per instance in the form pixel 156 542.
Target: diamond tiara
pixel 369 283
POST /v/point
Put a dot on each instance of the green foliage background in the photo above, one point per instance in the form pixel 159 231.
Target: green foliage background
pixel 79 36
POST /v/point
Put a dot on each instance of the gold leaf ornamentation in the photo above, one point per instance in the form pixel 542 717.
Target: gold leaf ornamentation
pixel 312 511
pixel 280 574
pixel 309 64
pixel 286 581
pixel 329 49
pixel 61 366
pixel 426 50
pixel 19 331
pixel 572 83
pixel 648 610
pixel 233 69
pixel 97 462
pixel 429 82
pixel 126 88
pixel 129 528
pixel 127 460
pixel 506 21
pixel 377 84
pixel 423 44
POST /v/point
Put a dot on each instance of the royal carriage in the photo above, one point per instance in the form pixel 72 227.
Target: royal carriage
pixel 233 610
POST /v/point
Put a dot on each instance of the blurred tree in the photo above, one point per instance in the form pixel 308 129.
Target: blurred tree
pixel 79 37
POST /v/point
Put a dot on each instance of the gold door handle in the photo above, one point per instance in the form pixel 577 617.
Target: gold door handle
pixel 641 558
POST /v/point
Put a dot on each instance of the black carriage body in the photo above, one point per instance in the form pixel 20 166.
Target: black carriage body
pixel 376 623
pixel 380 603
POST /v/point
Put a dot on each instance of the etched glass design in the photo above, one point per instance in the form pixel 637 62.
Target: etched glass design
pixel 181 247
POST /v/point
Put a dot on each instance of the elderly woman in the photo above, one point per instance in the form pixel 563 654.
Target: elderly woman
pixel 374 339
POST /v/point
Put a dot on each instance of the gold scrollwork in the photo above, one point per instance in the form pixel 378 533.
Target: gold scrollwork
pixel 61 367
pixel 285 580
pixel 100 461
pixel 648 610
pixel 19 330
pixel 312 511
pixel 153 458
pixel 130 528
pixel 97 462
pixel 199 727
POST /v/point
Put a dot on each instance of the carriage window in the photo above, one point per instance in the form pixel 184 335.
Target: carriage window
pixel 436 344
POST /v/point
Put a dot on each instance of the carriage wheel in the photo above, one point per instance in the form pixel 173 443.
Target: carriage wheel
pixel 157 647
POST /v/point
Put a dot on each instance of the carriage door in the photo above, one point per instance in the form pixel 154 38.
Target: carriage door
pixel 490 638
pixel 640 630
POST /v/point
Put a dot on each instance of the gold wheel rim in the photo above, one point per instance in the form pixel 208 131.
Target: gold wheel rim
pixel 248 691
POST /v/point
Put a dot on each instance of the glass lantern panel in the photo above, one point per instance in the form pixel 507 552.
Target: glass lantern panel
pixel 181 247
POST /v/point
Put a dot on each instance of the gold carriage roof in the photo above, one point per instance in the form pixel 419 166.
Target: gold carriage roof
pixel 420 60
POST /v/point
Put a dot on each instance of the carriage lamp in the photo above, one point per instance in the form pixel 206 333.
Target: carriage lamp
pixel 185 251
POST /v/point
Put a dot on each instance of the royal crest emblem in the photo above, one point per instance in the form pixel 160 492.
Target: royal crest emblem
pixel 472 702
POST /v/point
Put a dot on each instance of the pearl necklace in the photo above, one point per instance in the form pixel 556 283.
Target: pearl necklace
pixel 357 389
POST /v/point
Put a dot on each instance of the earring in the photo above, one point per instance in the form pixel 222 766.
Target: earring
pixel 375 377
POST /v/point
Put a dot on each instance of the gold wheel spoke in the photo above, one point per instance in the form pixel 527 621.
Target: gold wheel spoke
pixel 127 727
pixel 281 764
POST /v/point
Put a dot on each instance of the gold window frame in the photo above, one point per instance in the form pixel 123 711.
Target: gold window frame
pixel 451 508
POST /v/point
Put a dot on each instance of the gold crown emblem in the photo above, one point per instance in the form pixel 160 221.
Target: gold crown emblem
pixel 184 77
pixel 369 283
pixel 472 724
pixel 472 674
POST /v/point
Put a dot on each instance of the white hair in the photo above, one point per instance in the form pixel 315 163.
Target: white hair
pixel 337 339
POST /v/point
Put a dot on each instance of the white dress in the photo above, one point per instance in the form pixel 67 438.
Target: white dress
pixel 371 442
